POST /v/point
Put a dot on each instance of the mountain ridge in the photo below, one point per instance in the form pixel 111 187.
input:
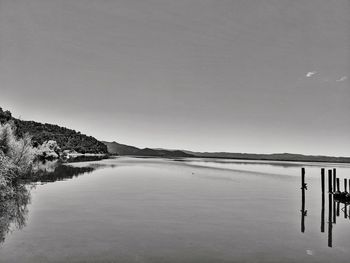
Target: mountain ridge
pixel 123 149
pixel 229 155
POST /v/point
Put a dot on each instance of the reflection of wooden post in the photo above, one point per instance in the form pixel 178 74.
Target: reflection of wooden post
pixel 345 211
pixel 330 181
pixel 303 211
pixel 323 199
pixel 334 213
pixel 322 215
pixel 330 202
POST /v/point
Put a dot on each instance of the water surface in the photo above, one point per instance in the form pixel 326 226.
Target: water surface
pixel 182 210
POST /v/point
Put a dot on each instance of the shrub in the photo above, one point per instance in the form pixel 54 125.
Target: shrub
pixel 49 150
pixel 16 155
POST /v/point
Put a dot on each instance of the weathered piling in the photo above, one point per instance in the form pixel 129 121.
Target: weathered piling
pixel 338 209
pixel 345 185
pixel 323 199
pixel 334 190
pixel 330 190
pixel 338 185
pixel 322 180
pixel 334 179
pixel 303 211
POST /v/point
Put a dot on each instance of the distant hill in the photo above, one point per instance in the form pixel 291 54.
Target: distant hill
pixel 67 139
pixel 122 149
pixel 272 157
pixel 163 153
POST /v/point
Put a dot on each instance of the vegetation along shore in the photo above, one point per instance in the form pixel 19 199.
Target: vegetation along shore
pixel 22 143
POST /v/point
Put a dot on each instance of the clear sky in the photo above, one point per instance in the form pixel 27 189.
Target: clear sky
pixel 211 75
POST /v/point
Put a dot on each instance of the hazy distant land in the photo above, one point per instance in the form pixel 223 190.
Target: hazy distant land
pixel 122 149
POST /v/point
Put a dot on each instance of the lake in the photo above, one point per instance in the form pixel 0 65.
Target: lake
pixel 175 210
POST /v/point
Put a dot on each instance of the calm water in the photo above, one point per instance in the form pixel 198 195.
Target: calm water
pixel 184 210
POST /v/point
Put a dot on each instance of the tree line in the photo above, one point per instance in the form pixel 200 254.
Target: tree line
pixel 67 139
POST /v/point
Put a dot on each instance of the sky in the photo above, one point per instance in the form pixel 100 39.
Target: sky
pixel 256 76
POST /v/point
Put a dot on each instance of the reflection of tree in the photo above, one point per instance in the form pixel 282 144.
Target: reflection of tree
pixel 56 170
pixel 86 158
pixel 60 173
pixel 13 212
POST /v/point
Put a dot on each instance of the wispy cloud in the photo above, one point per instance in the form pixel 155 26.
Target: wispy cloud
pixel 310 74
pixel 342 79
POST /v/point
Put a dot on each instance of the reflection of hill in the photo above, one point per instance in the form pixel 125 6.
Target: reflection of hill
pixel 13 212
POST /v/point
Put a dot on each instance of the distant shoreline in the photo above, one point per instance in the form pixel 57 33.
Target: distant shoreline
pixel 276 160
pixel 128 150
pixel 230 158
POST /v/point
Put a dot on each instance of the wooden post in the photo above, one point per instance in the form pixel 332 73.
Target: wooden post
pixel 303 185
pixel 330 181
pixel 334 190
pixel 303 211
pixel 345 185
pixel 323 199
pixel 322 180
pixel 338 185
pixel 338 209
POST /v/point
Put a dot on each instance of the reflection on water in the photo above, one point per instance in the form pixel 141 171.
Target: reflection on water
pixel 59 172
pixel 160 210
pixel 86 158
pixel 334 210
pixel 263 167
pixel 13 212
pixel 52 171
